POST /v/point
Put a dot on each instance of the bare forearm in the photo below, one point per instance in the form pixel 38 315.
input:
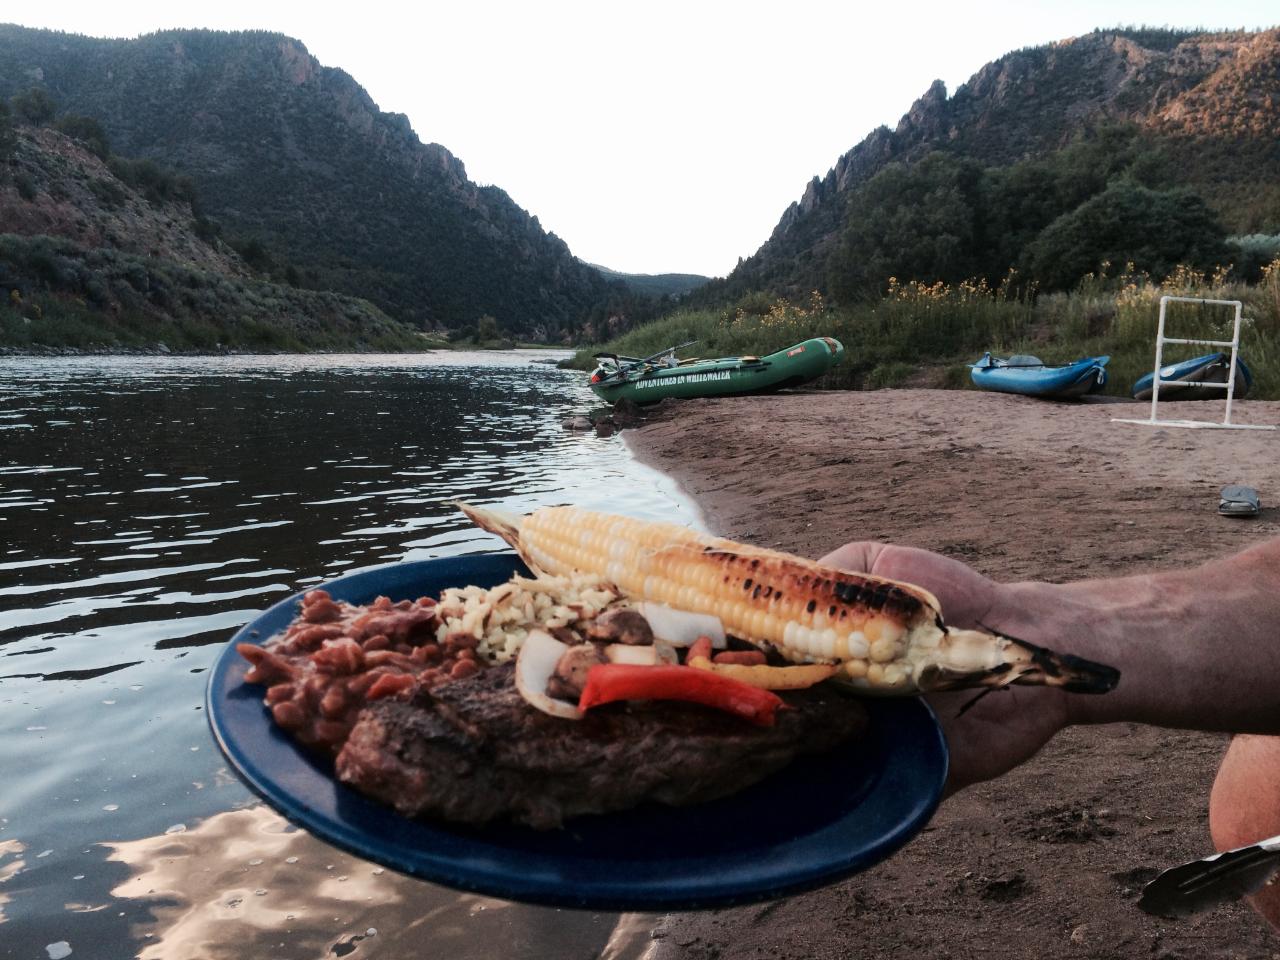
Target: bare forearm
pixel 1196 648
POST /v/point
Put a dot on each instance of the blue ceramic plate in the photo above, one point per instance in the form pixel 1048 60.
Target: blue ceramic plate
pixel 821 819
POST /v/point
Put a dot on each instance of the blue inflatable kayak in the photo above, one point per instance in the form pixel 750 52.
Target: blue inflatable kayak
pixel 1032 377
pixel 1211 368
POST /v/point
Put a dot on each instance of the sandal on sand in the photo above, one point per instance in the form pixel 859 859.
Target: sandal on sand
pixel 1239 501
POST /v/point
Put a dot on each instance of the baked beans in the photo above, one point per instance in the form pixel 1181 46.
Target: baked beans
pixel 335 657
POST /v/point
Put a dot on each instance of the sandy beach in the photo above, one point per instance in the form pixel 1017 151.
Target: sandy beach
pixel 1047 861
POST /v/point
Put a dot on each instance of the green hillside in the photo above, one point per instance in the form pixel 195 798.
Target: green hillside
pixel 1153 145
pixel 673 285
pixel 294 161
pixel 100 252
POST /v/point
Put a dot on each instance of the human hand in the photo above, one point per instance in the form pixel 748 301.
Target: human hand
pixel 1011 724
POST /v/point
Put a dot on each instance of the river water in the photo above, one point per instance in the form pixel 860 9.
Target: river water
pixel 148 508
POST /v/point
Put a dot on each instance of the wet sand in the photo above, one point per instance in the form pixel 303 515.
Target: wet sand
pixel 1047 861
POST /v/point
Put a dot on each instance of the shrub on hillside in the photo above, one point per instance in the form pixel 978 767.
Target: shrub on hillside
pixel 88 131
pixel 155 183
pixel 26 185
pixel 33 106
pixel 8 140
pixel 1253 253
pixel 1153 229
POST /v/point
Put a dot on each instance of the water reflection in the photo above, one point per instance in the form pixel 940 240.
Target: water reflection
pixel 247 884
pixel 148 507
pixel 11 862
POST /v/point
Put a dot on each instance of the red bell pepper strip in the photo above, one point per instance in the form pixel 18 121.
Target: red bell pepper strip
pixel 607 682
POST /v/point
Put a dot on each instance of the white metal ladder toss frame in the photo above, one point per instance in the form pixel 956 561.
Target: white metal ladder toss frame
pixel 1229 386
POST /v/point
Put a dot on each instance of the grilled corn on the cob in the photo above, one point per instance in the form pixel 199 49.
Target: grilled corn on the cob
pixel 887 637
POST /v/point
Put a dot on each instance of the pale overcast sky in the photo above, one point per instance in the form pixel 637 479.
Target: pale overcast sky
pixel 658 136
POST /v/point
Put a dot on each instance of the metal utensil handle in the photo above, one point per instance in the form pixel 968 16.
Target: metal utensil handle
pixel 1201 884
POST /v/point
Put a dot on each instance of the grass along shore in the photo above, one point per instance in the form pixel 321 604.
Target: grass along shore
pixel 926 334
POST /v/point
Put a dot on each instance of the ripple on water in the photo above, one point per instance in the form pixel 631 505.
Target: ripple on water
pixel 154 547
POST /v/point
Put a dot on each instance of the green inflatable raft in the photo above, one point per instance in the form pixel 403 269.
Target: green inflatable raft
pixel 650 379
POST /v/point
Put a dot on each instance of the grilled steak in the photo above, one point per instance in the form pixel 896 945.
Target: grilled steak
pixel 473 750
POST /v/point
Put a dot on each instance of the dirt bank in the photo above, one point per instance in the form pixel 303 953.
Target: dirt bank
pixel 1046 862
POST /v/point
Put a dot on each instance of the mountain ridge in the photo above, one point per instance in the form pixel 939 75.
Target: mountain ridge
pixel 1171 85
pixel 655 284
pixel 298 156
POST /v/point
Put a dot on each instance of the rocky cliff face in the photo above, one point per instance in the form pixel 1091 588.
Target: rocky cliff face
pixel 55 187
pixel 299 157
pixel 1196 92
pixel 1238 97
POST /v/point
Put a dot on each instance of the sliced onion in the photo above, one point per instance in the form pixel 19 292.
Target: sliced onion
pixel 680 628
pixel 535 665
pixel 640 656
pixel 665 651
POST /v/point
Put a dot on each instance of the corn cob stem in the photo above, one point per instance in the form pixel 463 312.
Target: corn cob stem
pixel 887 636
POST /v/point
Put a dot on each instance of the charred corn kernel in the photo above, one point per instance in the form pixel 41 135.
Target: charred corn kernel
pixel 808 612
